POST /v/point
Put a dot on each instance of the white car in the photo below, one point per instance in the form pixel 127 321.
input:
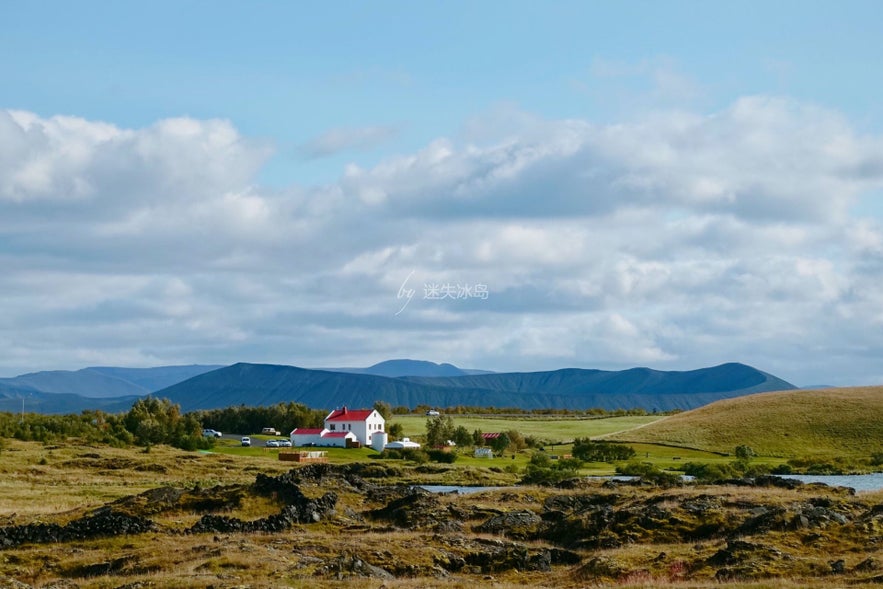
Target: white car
pixel 245 441
pixel 285 443
pixel 210 433
pixel 272 444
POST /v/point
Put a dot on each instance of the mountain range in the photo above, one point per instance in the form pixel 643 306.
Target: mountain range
pixel 398 382
pixel 110 389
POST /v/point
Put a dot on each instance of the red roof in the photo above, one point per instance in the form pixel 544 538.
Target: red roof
pixel 344 414
pixel 308 431
pixel 491 436
pixel 338 434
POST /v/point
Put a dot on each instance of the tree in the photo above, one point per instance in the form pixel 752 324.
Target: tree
pixel 516 440
pixel 159 421
pixel 461 436
pixel 439 430
pixel 500 443
pixel 477 438
pixel 744 452
pixel 383 408
pixel 395 431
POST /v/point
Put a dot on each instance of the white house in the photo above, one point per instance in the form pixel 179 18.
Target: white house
pixel 362 422
pixel 304 436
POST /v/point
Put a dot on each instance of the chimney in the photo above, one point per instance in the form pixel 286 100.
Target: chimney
pixel 343 410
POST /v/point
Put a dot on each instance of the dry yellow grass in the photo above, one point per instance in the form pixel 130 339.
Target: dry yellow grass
pixel 295 558
pixel 829 422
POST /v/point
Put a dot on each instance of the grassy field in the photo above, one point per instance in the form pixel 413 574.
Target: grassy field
pixel 60 482
pixel 845 422
pixel 547 429
pixel 557 433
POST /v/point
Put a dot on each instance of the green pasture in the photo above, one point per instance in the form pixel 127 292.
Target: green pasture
pixel 555 433
pixel 551 429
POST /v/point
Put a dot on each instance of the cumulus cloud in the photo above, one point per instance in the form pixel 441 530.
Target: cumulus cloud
pixel 763 158
pixel 678 240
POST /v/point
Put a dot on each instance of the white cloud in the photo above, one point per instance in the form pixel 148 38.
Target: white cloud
pixel 679 240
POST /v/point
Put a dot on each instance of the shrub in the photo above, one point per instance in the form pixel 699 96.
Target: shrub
pixel 594 451
pixel 649 473
pixel 442 456
pixel 541 470
pixel 782 469
pixel 414 454
pixel 710 473
pixel 744 452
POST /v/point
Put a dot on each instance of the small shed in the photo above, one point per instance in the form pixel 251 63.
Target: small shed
pixel 403 444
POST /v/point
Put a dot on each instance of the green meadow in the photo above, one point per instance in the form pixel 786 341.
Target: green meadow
pixel 547 429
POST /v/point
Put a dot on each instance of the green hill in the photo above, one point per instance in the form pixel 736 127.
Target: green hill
pixel 829 422
pixel 570 388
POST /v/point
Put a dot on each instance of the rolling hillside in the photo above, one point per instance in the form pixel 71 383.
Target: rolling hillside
pixel 824 422
pixel 262 384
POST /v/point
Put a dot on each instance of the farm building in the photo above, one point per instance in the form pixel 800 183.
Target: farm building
pixel 363 423
pixel 303 436
pixel 404 443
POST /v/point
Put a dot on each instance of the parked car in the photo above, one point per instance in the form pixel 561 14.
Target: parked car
pixel 432 413
pixel 285 443
pixel 270 431
pixel 272 444
pixel 210 433
pixel 245 441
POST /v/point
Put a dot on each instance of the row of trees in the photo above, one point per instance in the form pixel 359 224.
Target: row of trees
pixel 282 416
pixel 149 421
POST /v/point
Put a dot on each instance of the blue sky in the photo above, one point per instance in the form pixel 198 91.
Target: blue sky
pixel 672 184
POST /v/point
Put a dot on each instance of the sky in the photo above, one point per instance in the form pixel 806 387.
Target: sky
pixel 511 186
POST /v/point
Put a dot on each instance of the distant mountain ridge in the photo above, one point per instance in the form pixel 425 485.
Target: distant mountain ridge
pixel 398 382
pixel 569 388
pixel 106 382
pixel 405 367
pixel 109 389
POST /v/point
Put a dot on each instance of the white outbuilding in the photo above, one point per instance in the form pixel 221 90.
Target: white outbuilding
pixel 403 444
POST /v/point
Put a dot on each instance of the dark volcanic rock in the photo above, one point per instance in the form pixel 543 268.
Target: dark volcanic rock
pixel 345 566
pixel 745 560
pixel 514 524
pixel 497 556
pixel 415 508
pixel 103 523
pixel 300 510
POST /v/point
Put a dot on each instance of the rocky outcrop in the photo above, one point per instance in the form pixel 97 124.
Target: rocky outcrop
pixel 298 509
pixel 522 525
pixel 103 523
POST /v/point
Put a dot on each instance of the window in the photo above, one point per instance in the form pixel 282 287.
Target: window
pixel 331 427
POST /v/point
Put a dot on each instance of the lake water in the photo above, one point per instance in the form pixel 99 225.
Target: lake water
pixel 859 482
pixel 458 489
